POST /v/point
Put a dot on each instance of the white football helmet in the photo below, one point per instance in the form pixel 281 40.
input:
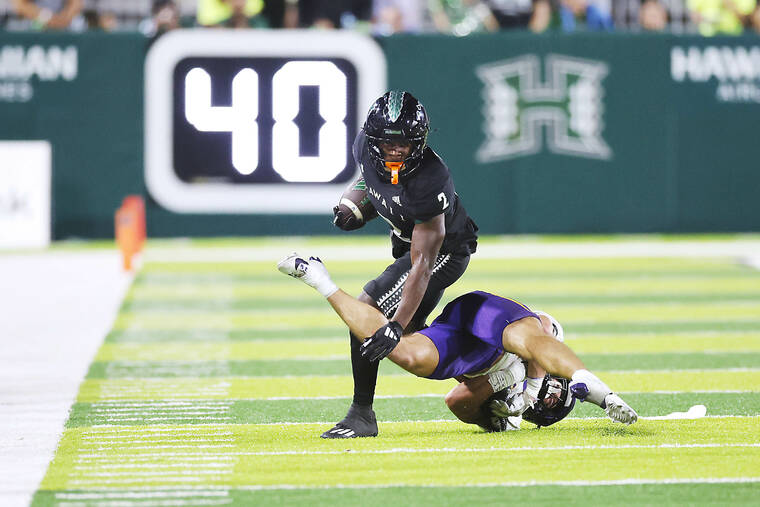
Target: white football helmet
pixel 557 330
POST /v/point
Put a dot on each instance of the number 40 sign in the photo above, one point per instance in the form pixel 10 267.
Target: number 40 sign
pixel 256 121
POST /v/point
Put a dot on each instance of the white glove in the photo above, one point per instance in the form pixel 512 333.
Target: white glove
pixel 502 379
pixel 517 403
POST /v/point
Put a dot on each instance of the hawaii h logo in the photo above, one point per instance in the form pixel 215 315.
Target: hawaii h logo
pixel 518 104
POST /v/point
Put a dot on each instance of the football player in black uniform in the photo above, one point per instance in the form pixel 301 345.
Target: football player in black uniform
pixel 432 238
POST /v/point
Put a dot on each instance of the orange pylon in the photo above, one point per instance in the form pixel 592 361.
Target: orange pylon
pixel 129 225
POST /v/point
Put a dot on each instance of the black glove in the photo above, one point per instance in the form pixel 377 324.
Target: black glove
pixel 345 220
pixel 382 343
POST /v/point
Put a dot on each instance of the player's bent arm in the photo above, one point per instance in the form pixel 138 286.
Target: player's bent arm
pixel 465 399
pixel 415 352
pixel 534 370
pixel 427 238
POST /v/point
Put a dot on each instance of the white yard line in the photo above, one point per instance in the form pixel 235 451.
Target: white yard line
pixel 458 450
pixel 745 250
pixel 426 421
pixel 437 395
pixel 621 482
pixel 193 492
pixel 55 310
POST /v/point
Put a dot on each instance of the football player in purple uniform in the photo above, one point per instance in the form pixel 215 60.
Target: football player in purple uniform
pixel 432 236
pixel 473 336
pixel 497 399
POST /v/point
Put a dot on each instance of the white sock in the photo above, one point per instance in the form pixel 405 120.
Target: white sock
pixel 318 277
pixel 326 287
pixel 597 390
pixel 533 386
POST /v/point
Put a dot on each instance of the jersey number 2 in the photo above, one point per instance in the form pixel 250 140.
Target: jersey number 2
pixel 444 201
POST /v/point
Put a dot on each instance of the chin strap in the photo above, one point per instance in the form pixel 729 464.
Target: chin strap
pixel 395 167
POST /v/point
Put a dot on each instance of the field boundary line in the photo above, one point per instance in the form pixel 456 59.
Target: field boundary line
pixel 569 417
pixel 433 395
pixel 511 247
pixel 621 482
pixel 432 450
pixel 211 488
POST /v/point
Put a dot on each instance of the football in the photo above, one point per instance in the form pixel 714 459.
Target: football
pixel 354 202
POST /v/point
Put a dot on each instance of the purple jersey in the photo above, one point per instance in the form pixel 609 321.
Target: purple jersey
pixel 468 332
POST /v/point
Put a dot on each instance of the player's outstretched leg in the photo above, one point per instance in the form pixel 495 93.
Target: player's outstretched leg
pixel 362 319
pixel 528 340
pixel 415 353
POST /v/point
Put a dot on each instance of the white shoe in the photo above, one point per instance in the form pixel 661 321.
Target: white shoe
pixel 618 410
pixel 312 272
pixel 293 265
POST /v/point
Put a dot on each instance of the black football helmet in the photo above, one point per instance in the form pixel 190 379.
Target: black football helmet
pixel 397 116
pixel 554 402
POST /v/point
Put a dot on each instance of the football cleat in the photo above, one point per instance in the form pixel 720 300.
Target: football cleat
pixel 618 410
pixel 359 422
pixel 312 272
pixel 293 265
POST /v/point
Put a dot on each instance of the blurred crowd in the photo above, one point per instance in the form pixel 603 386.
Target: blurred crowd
pixel 386 17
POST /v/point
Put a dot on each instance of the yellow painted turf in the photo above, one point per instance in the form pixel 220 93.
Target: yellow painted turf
pixel 625 285
pixel 94 390
pixel 425 453
pixel 316 348
pixel 569 315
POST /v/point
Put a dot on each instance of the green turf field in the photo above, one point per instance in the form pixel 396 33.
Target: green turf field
pixel 218 377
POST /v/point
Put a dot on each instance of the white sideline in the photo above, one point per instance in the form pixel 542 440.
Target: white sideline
pixel 55 310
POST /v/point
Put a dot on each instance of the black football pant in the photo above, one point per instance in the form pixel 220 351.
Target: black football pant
pixel 385 291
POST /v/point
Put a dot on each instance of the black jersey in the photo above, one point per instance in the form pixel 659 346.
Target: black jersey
pixel 424 195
